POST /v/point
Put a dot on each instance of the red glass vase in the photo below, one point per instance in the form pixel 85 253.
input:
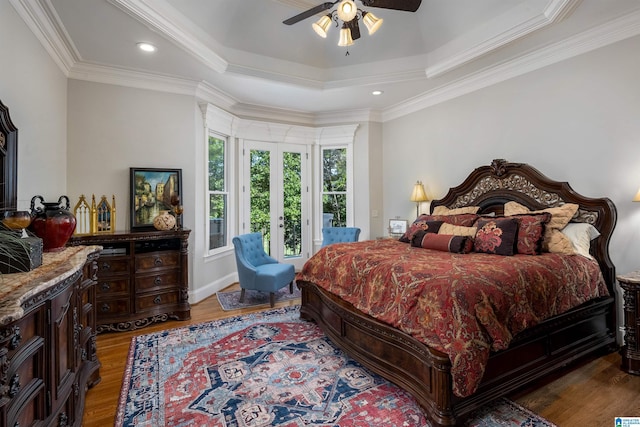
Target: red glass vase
pixel 52 222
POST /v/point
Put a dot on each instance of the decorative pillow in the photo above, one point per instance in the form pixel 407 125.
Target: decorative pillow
pixel 443 242
pixel 464 220
pixel 443 210
pixel 457 230
pixel 420 224
pixel 554 241
pixel 531 230
pixel 496 236
pixel 581 234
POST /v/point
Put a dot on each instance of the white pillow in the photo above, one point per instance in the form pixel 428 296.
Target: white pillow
pixel 581 234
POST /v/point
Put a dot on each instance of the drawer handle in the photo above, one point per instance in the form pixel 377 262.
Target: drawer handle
pixel 15 339
pixel 158 280
pixel 157 261
pixel 106 266
pixel 157 300
pixel 105 287
pixel 105 307
pixel 14 385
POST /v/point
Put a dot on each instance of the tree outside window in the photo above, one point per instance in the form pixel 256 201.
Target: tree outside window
pixel 334 186
pixel 218 193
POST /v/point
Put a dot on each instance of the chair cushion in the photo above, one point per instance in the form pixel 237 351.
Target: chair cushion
pixel 271 277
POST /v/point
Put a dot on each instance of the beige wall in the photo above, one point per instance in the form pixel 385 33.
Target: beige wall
pixel 35 91
pixel 576 121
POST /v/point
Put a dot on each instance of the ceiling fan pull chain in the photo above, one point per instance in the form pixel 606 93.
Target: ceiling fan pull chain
pixel 346 54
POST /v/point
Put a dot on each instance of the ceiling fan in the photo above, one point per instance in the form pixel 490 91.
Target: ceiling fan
pixel 349 14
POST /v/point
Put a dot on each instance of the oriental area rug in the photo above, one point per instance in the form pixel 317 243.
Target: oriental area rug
pixel 268 369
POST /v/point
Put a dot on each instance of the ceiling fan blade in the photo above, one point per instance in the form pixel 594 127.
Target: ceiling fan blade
pixel 308 13
pixel 355 28
pixel 406 5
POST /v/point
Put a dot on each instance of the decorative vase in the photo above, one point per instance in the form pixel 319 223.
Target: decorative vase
pixel 164 221
pixel 52 222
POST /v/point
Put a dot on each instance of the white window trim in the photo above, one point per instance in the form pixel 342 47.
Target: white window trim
pixel 219 123
pixel 333 137
pixel 236 129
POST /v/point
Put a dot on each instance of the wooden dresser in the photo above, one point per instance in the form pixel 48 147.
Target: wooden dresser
pixel 630 284
pixel 142 278
pixel 48 340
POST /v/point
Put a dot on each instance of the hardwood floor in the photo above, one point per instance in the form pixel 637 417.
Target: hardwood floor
pixel 591 394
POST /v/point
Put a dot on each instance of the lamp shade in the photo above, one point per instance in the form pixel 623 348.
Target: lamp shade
pixel 322 26
pixel 418 194
pixel 371 22
pixel 637 197
pixel 345 36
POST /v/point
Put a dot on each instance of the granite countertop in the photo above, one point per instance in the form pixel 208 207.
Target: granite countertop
pixel 633 277
pixel 17 288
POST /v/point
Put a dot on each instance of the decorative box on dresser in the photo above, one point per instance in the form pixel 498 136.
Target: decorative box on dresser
pixel 630 284
pixel 48 340
pixel 142 277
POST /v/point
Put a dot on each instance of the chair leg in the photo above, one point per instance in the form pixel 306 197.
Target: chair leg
pixel 241 295
pixel 291 287
pixel 272 298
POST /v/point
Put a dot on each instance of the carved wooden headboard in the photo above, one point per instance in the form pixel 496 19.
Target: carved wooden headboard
pixel 490 187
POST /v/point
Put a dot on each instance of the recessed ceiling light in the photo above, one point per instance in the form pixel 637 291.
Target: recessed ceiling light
pixel 147 47
pixel 377 92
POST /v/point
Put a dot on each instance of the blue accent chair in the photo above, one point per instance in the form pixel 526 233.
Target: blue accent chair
pixel 339 234
pixel 257 270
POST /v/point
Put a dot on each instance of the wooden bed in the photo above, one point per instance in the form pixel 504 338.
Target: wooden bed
pixel 587 330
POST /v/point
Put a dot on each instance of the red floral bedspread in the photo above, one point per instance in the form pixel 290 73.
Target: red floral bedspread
pixel 464 305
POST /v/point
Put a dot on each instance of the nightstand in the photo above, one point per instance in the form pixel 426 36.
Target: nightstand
pixel 630 284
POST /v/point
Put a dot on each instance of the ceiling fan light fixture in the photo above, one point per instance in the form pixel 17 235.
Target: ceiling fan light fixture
pixel 322 26
pixel 371 21
pixel 347 10
pixel 345 36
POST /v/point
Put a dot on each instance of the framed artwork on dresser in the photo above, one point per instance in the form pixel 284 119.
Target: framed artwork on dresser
pixel 153 190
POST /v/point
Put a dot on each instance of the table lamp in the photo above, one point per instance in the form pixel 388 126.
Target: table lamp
pixel 418 195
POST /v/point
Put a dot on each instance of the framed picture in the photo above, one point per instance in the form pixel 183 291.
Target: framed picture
pixel 397 226
pixel 153 190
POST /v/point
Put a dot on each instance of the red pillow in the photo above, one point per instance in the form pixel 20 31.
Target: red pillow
pixel 443 242
pixel 531 232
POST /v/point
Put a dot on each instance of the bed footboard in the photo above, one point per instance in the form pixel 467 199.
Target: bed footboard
pixel 425 373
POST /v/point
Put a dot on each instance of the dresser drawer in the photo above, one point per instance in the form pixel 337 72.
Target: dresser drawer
pixel 108 265
pixel 154 260
pixel 163 280
pixel 25 331
pixel 112 286
pixel 112 307
pixel 150 302
pixel 28 409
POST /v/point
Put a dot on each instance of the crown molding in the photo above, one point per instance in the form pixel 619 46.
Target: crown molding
pixel 160 16
pixel 131 78
pixel 353 116
pixel 516 23
pixel 41 19
pixel 603 35
pixel 44 23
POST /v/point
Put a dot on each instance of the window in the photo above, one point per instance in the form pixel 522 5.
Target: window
pixel 218 192
pixel 335 187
